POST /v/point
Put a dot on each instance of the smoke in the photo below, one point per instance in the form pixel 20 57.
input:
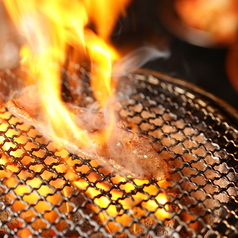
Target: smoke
pixel 9 56
pixel 9 49
pixel 136 59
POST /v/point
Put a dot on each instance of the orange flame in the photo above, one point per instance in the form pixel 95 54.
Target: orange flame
pixel 21 181
pixel 137 203
pixel 49 27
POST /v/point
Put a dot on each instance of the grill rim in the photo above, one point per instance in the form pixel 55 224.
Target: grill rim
pixel 219 103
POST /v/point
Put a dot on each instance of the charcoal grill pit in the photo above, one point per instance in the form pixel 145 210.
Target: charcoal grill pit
pixel 193 131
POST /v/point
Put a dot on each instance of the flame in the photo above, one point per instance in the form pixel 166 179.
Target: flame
pixel 134 203
pixel 20 180
pixel 49 27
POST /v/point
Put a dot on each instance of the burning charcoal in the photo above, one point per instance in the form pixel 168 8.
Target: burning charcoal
pixel 198 199
pixel 5 215
pixel 129 153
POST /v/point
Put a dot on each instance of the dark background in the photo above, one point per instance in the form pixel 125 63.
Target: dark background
pixel 204 67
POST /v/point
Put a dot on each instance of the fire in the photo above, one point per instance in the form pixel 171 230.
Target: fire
pixel 22 183
pixel 49 28
pixel 104 195
pixel 136 205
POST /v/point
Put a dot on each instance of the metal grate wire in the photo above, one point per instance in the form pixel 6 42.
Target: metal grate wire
pixel 47 192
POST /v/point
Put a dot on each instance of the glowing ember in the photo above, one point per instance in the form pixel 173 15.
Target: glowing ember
pixel 151 199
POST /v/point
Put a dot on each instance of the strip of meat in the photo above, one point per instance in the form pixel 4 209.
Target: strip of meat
pixel 129 153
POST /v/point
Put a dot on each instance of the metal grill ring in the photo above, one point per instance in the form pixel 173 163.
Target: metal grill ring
pixel 47 192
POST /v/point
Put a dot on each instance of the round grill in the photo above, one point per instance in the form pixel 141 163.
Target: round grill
pixel 47 192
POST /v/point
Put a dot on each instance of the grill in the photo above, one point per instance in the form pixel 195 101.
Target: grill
pixel 45 191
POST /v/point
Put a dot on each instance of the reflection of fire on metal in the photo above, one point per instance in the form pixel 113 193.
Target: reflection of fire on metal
pixel 44 54
pixel 50 29
pixel 32 170
pixel 48 192
pixel 59 179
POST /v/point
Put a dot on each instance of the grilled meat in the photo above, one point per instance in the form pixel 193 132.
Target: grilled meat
pixel 129 153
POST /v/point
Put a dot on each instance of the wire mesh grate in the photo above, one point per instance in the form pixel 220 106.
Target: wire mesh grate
pixel 48 192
